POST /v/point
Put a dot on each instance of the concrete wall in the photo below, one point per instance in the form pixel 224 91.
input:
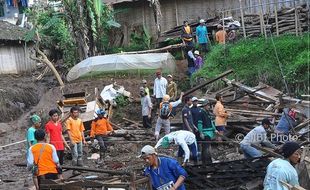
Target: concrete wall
pixel 14 59
pixel 174 12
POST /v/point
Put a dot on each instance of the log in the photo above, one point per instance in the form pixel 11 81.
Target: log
pixel 208 82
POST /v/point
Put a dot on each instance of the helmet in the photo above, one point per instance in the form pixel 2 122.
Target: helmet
pixel 100 112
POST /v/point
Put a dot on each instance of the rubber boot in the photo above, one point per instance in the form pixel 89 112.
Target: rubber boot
pixel 74 162
pixel 80 162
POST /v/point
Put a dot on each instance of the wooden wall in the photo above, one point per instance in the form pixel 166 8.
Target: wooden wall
pixel 174 12
pixel 14 59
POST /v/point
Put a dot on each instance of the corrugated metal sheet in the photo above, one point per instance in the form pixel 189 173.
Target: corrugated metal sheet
pixel 15 59
pixel 174 12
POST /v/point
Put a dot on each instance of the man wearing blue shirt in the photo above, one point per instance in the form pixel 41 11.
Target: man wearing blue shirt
pixel 165 173
pixel 201 36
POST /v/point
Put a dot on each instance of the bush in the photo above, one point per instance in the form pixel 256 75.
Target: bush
pixel 255 60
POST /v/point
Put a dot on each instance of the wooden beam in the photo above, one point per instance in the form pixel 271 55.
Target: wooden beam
pixel 267 151
pixel 133 122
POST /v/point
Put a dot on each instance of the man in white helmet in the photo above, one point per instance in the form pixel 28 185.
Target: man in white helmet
pixel 165 109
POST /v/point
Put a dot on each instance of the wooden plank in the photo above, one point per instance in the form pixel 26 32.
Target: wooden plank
pixel 254 112
pixel 133 122
pixel 75 101
pixel 267 151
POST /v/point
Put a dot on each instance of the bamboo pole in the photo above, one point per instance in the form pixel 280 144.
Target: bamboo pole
pixel 242 19
pixel 261 19
pixel 276 16
pixel 176 12
pixel 296 19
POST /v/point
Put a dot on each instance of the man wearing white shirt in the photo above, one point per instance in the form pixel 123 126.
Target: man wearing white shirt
pixel 186 141
pixel 160 88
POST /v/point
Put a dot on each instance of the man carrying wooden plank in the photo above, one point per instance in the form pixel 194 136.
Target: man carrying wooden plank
pixel 165 173
pixel 256 136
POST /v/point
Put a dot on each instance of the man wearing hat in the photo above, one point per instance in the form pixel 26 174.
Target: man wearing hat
pixel 207 130
pixel 256 136
pixel 202 36
pixel 198 61
pixel 172 88
pixel 165 173
pixel 36 123
pixel 160 88
pixel 282 169
pixel 147 105
pixel 186 141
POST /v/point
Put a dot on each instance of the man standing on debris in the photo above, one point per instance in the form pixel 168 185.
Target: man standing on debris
pixel 165 109
pixel 220 35
pixel 221 115
pixel 172 88
pixel 100 129
pixel 165 173
pixel 186 141
pixel 146 88
pixel 282 170
pixel 36 123
pixel 287 122
pixel 75 130
pixel 42 159
pixel 187 34
pixel 256 136
pixel 202 36
pixel 53 130
pixel 196 114
pixel 207 132
pixel 187 117
pixel 147 105
pixel 160 88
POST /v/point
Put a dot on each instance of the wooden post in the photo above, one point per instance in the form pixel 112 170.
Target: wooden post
pixel 276 16
pixel 242 19
pixel 176 12
pixel 261 15
pixel 223 23
pixel 296 19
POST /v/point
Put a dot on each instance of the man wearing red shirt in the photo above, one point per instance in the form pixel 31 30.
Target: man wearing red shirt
pixel 54 134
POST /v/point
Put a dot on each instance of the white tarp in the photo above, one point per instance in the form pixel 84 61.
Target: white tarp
pixel 119 62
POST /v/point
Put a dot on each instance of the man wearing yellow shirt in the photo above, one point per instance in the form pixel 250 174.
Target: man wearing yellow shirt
pixel 75 129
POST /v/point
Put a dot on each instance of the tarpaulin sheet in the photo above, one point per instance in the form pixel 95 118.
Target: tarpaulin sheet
pixel 121 62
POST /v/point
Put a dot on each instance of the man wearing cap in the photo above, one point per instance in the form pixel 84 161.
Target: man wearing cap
pixel 165 173
pixel 165 109
pixel 172 88
pixel 36 123
pixel 256 136
pixel 186 141
pixel 147 105
pixel 100 129
pixel 54 135
pixel 198 61
pixel 187 117
pixel 146 88
pixel 160 88
pixel 282 169
pixel 207 130
pixel 202 36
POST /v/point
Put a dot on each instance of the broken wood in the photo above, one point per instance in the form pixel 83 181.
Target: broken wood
pixel 253 112
pixel 267 151
pixel 208 82
pixel 133 122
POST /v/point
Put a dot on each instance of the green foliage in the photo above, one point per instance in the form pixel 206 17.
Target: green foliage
pixel 255 60
pixel 121 101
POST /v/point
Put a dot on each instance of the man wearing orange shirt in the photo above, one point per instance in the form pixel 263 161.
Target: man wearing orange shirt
pixel 220 115
pixel 220 35
pixel 100 128
pixel 75 129
pixel 44 157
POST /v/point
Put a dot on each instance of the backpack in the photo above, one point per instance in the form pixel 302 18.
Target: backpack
pixel 165 110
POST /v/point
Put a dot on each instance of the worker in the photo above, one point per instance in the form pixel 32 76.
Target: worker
pixel 286 123
pixel 187 117
pixel 256 136
pixel 190 60
pixel 172 89
pixel 196 115
pixel 42 159
pixel 221 115
pixel 54 136
pixel 282 169
pixel 207 131
pixel 163 119
pixel 75 129
pixel 147 105
pixel 100 129
pixel 145 86
pixel 187 34
pixel 36 123
pixel 185 140
pixel 165 173
pixel 202 36
pixel 160 88
pixel 198 60
pixel 220 35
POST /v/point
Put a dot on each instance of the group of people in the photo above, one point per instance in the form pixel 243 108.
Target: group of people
pixel 195 57
pixel 46 145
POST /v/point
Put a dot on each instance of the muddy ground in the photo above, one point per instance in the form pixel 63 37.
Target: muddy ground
pixel 22 95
